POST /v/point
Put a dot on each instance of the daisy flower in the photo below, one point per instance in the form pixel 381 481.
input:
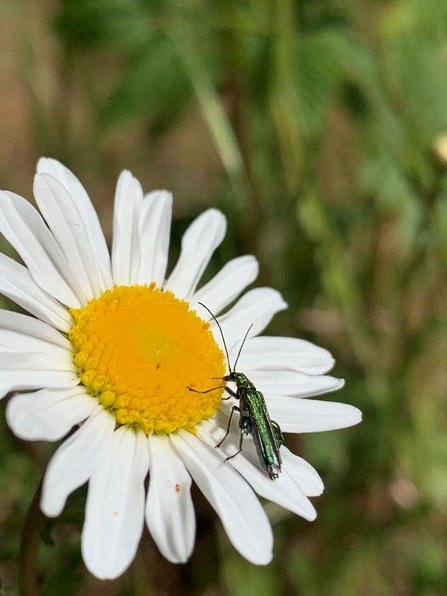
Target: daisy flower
pixel 111 348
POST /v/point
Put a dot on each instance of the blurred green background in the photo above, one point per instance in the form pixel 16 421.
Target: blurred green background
pixel 320 128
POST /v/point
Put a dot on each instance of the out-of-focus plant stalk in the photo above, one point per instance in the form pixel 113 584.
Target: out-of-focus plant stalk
pixel 284 98
pixel 215 116
pixel 440 224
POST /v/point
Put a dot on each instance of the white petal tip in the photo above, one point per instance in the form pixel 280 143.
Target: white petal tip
pixel 50 511
pixel 44 163
pixel 103 570
pixel 41 165
pixel 176 560
pixel 353 417
pixel 214 215
pixel 262 559
pixel 308 512
pixel 159 194
pixel 125 174
pixel 102 575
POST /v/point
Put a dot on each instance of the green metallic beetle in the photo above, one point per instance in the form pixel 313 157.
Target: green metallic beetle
pixel 254 416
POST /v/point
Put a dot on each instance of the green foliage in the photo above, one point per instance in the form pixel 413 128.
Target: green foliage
pixel 154 86
pixel 327 120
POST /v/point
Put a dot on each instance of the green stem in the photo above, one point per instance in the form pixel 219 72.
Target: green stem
pixel 29 546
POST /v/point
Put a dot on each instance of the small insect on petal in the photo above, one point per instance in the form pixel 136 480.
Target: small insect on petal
pixel 254 418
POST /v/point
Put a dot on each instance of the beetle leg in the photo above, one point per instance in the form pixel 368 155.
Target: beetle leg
pixel 208 390
pixel 233 409
pixel 231 393
pixel 245 426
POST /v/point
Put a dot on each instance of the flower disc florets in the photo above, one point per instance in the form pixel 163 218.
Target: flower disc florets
pixel 138 349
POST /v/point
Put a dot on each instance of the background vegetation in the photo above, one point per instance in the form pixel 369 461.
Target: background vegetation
pixel 320 128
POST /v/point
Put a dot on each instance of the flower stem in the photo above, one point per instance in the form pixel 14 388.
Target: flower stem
pixel 29 547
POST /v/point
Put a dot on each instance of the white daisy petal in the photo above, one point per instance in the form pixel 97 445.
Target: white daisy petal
pixel 126 243
pixel 19 350
pixel 242 516
pixel 284 491
pixel 198 244
pixel 75 460
pixel 21 380
pixel 65 221
pixel 17 284
pixel 24 328
pixel 272 353
pixel 169 510
pixel 256 307
pixel 311 415
pixel 14 346
pixel 48 414
pixel 87 213
pixel 226 286
pixel 26 231
pixel 302 472
pixel 292 383
pixel 155 223
pixel 33 361
pixel 33 355
pixel 114 513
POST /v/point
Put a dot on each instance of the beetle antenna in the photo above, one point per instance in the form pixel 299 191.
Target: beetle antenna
pixel 221 332
pixel 242 345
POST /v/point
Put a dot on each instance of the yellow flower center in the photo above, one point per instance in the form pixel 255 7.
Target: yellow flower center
pixel 138 349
